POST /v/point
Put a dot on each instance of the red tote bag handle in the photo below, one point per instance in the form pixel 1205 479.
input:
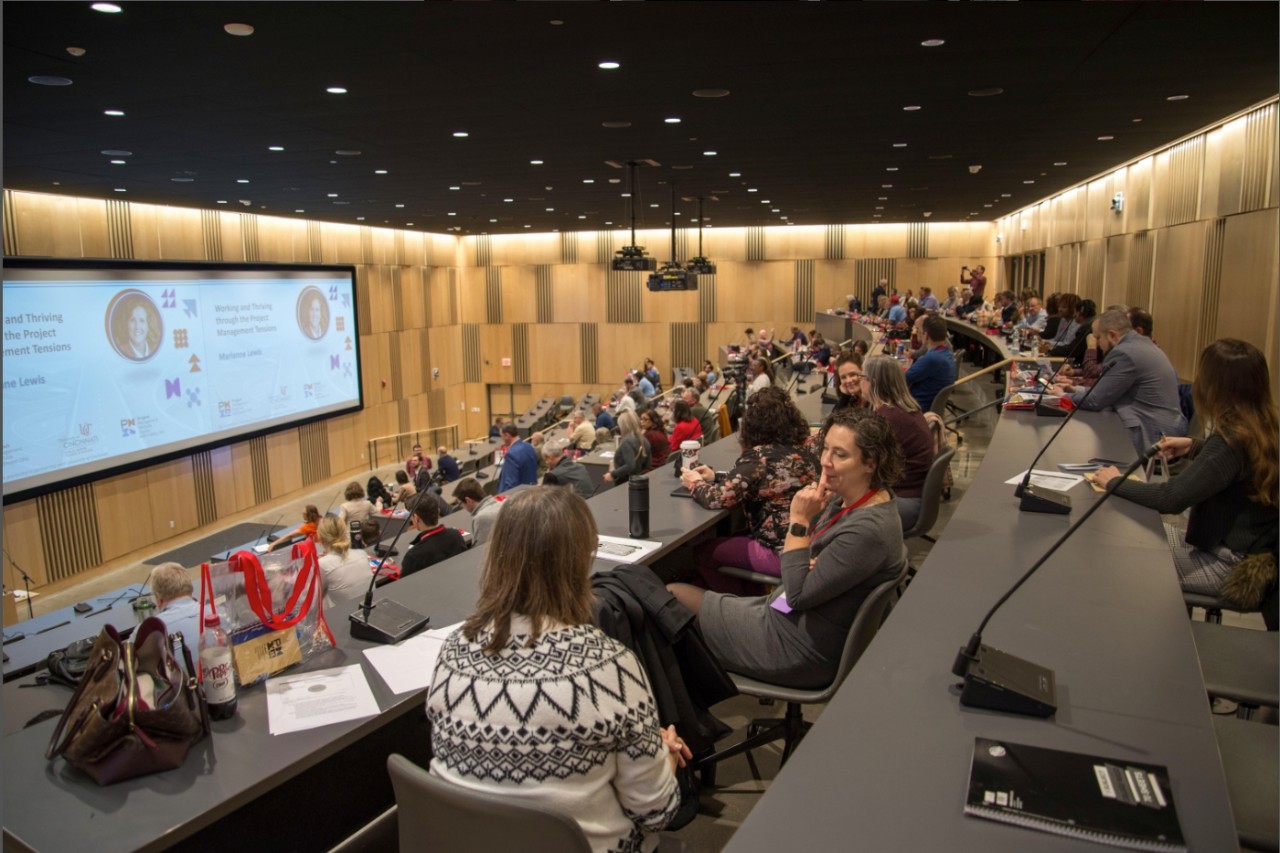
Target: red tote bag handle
pixel 259 593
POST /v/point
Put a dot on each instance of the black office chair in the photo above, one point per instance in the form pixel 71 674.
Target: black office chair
pixel 1239 664
pixel 435 816
pixel 943 408
pixel 792 726
pixel 1249 759
pixel 931 497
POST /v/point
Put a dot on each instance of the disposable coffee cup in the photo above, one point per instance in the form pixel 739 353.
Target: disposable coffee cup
pixel 689 453
pixel 143 607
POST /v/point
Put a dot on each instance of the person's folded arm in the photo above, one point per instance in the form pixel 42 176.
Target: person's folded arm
pixel 846 561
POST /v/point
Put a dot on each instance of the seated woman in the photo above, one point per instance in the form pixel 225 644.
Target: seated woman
pixel 849 379
pixel 775 464
pixel 844 540
pixel 344 571
pixel 305 530
pixel 886 391
pixel 357 506
pixel 710 370
pixel 655 437
pixel 686 426
pixel 632 453
pixel 762 376
pixel 1231 484
pixel 405 490
pixel 596 755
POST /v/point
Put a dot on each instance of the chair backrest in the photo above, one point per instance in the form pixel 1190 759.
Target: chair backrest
pixel 435 815
pixel 864 627
pixel 931 497
pixel 939 405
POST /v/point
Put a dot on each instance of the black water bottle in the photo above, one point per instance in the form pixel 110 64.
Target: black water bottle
pixel 638 499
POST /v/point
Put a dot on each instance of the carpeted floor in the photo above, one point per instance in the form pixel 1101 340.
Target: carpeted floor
pixel 197 552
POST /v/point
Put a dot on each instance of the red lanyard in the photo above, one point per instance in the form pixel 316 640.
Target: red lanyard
pixel 428 534
pixel 839 515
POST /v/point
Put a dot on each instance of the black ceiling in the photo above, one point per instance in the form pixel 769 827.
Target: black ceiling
pixel 817 92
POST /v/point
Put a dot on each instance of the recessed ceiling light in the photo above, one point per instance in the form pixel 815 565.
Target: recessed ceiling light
pixel 551 210
pixel 76 51
pixel 986 92
pixel 1177 97
pixel 711 93
pixel 528 226
pixel 116 152
pixel 493 220
pixel 891 168
pixel 555 23
pixel 332 195
pixel 609 65
pixel 882 198
pixel 508 200
pixel 588 180
pixel 451 213
pixel 933 43
pixel 606 222
pixel 182 180
pixel 765 201
pixel 238 29
pixel 625 195
pixel 49 80
pixel 361 219
pixel 671 120
pixel 752 190
pixel 986 205
pixel 118 162
pixel 110 8
pixel 336 90
pixel 342 202
pixel 709 153
pixel 1060 163
pixel 886 186
pixel 615 124
pixel 775 210
pixel 911 108
pixel 1028 182
pixel 899 145
pixel 1006 195
pixel 242 180
pixel 1105 138
pixel 410 224
pixel 455 188
pixel 275 147
pixel 222 201
pixel 399 205
pixel 460 134
pixel 615 180
pixel 113 112
pixel 1136 120
pixel 121 190
pixel 584 216
pixel 880 207
pixel 535 162
pixel 347 152
pixel 653 205
pixel 735 174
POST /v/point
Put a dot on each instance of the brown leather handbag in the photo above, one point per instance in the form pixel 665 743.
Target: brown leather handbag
pixel 136 710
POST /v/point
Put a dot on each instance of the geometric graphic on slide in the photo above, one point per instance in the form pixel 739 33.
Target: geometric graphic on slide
pixel 133 325
pixel 313 313
pixel 194 361
pixel 180 337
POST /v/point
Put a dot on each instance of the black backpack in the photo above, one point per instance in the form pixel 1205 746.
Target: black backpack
pixel 374 489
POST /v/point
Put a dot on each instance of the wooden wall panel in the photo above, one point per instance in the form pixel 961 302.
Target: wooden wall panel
pixel 495 345
pixel 242 461
pixel 795 242
pixel 1179 265
pixel 725 244
pixel 886 241
pixel 172 509
pixel 1250 270
pixel 123 507
pixel 628 345
pixel 22 540
pixel 1224 169
pixel 179 233
pixel 1137 199
pixel 445 344
pixel 576 294
pixel 519 295
pixel 471 293
pixel 755 292
pixel 227 494
pixel 669 306
pixel 831 281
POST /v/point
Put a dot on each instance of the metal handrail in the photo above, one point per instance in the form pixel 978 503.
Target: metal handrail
pixel 404 442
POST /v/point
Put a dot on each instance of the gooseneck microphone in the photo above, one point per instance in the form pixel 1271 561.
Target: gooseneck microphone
pixel 1048 410
pixel 1002 682
pixel 387 621
pixel 266 530
pixel 1045 500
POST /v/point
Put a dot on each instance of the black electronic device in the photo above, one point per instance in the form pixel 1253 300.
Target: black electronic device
pixel 1050 410
pixel 633 263
pixel 266 532
pixel 672 279
pixel 387 621
pixel 999 681
pixel 700 266
pixel 82 607
pixel 1045 500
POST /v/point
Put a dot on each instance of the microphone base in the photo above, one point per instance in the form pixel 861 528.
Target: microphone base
pixel 386 622
pixel 1037 500
pixel 1050 410
pixel 1002 682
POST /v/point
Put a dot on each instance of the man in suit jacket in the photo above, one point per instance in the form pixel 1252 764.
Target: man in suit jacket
pixel 1138 381
pixel 563 471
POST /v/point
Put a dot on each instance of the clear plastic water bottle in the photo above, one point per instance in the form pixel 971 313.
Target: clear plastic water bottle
pixel 216 670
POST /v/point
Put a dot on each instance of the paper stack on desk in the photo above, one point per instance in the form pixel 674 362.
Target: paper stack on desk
pixel 409 665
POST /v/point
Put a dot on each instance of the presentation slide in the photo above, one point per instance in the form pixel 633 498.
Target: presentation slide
pixel 108 368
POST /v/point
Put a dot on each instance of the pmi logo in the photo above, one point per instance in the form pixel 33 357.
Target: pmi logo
pixel 128 427
pixel 224 408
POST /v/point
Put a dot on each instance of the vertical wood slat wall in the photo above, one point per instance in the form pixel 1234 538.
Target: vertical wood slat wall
pixel 68 532
pixel 411 292
pixel 1180 204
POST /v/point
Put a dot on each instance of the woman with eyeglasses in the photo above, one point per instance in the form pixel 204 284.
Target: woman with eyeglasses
pixel 885 388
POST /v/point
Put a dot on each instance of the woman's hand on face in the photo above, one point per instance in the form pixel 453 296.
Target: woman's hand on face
pixel 809 501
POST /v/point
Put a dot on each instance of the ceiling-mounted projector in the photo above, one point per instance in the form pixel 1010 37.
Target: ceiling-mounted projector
pixel 633 259
pixel 672 278
pixel 700 266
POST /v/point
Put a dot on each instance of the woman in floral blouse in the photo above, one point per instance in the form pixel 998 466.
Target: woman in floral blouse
pixel 776 462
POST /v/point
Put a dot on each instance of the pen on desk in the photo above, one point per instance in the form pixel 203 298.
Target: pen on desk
pixel 53 627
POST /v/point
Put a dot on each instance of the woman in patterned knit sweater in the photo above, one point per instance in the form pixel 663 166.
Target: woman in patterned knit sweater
pixel 530 700
pixel 1231 483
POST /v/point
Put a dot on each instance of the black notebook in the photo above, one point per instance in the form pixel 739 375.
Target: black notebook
pixel 1114 802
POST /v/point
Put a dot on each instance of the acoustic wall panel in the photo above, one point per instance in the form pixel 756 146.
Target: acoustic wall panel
pixel 249 237
pixel 493 294
pixel 10 228
pixel 119 228
pixel 833 242
pixel 867 275
pixel 260 465
pixel 202 485
pixel 484 250
pixel 520 352
pixel 471 352
pixel 211 230
pixel 568 247
pixel 622 296
pixel 589 335
pixel 802 305
pixel 544 295
pixel 707 286
pixel 755 243
pixel 918 240
pixel 688 343
pixel 68 532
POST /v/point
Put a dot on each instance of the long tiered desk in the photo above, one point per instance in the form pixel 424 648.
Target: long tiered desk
pixel 305 791
pixel 886 766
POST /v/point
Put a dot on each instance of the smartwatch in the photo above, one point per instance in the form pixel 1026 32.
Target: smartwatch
pixel 798 529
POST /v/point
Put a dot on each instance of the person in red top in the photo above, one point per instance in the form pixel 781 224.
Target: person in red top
pixel 686 426
pixel 656 436
pixel 307 530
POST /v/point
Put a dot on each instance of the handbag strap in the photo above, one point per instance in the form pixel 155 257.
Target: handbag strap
pixel 195 693
pixel 91 676
pixel 258 592
pixel 207 602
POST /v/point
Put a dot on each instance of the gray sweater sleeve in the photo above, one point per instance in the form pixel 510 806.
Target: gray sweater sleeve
pixel 849 553
pixel 1214 467
pixel 627 459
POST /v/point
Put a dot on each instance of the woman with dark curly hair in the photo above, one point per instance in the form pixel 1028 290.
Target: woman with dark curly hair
pixel 844 540
pixel 775 464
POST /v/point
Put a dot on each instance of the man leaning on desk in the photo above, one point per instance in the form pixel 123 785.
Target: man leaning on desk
pixel 1138 382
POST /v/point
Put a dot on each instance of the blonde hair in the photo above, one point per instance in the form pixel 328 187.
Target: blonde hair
pixel 538 565
pixel 887 385
pixel 333 535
